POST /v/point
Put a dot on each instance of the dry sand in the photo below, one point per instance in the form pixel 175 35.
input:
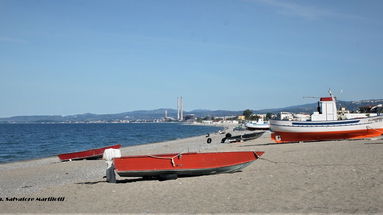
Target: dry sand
pixel 315 177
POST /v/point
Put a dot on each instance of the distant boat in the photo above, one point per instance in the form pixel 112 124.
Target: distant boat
pixel 88 154
pixel 183 164
pixel 239 128
pixel 258 125
pixel 325 126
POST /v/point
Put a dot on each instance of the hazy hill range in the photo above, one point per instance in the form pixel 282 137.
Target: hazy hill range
pixel 160 113
pixel 309 108
pixel 131 116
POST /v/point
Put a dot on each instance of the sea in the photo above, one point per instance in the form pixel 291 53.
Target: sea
pixel 20 142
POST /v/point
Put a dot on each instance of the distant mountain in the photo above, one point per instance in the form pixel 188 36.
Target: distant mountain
pixel 160 113
pixel 309 108
pixel 215 113
pixel 305 108
pixel 354 105
pixel 131 116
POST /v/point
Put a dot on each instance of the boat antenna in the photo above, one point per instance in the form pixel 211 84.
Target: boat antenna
pixel 316 97
pixel 330 92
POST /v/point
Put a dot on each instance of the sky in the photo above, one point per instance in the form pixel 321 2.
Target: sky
pixel 90 56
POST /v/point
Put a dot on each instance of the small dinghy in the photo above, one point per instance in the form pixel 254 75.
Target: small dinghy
pixel 88 154
pixel 241 138
pixel 171 166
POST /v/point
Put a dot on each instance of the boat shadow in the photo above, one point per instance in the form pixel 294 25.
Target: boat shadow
pixel 140 179
pixel 133 180
pixel 317 141
pixel 90 182
pixel 267 144
pixel 120 181
pixel 167 179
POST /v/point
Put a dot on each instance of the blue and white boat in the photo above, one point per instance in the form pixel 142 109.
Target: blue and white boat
pixel 324 125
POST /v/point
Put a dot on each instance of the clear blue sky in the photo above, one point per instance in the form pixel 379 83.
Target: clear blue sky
pixel 75 56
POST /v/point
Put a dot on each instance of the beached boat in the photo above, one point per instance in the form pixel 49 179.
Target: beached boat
pixel 257 125
pixel 183 164
pixel 239 128
pixel 324 125
pixel 243 137
pixel 88 154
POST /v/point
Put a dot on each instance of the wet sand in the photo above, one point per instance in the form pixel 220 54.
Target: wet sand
pixel 314 177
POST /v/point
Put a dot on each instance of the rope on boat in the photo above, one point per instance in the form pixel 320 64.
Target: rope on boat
pixel 179 155
pixel 368 127
pixel 256 156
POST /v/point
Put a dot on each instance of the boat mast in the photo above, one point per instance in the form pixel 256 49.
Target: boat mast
pixel 332 95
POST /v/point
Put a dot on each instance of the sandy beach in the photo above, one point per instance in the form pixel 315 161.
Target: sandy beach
pixel 314 177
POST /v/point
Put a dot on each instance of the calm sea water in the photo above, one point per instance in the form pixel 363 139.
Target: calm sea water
pixel 30 141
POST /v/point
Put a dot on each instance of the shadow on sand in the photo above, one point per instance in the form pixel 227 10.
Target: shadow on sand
pixel 270 144
pixel 158 178
pixel 267 144
pixel 124 181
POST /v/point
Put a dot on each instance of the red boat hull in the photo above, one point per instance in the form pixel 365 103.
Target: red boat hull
pixel 285 137
pixel 186 164
pixel 88 154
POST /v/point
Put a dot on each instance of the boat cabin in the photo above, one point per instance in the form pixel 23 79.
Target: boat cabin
pixel 326 110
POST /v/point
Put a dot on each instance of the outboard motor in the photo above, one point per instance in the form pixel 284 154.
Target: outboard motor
pixel 108 156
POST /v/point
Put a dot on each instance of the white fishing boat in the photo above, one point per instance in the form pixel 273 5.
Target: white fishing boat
pixel 258 125
pixel 324 125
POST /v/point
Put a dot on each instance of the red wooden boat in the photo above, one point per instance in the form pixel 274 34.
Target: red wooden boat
pixel 88 154
pixel 183 164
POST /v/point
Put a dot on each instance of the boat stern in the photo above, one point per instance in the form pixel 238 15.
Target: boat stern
pixel 258 154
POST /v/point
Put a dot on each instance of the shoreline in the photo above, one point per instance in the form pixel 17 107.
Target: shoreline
pixel 96 167
pixel 41 159
pixel 314 177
